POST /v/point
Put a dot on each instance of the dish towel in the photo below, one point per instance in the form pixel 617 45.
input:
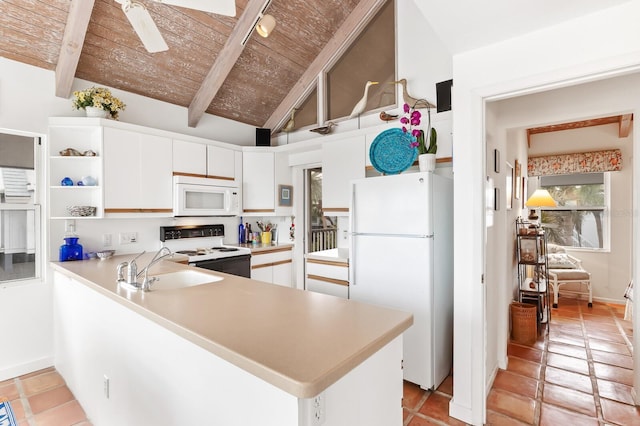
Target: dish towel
pixel 6 413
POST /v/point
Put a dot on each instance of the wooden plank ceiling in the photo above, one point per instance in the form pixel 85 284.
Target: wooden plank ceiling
pixel 623 121
pixel 256 85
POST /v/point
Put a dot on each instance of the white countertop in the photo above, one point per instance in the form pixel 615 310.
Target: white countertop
pixel 335 255
pixel 301 342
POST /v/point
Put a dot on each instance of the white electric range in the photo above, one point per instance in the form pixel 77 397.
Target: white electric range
pixel 204 248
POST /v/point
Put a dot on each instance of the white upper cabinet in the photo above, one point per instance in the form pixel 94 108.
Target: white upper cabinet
pixel 221 163
pixel 258 182
pixel 202 160
pixel 342 161
pixel 189 158
pixel 137 172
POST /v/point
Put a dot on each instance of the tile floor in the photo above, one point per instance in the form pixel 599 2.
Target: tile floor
pixel 578 373
pixel 42 398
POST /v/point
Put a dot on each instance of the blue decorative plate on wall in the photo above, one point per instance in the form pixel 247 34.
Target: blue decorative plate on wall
pixel 391 152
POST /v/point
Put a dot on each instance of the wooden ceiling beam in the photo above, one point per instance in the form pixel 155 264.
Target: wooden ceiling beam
pixel 344 36
pixel 224 63
pixel 71 48
pixel 625 125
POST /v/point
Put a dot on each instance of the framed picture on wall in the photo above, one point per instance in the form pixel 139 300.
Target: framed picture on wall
pixel 524 192
pixel 285 195
pixel 517 181
pixel 496 161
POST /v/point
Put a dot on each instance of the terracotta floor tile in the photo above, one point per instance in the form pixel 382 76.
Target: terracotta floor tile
pixel 421 421
pixel 621 414
pixel 623 361
pixel 613 373
pixel 608 336
pixel 67 414
pixel 572 319
pixel 571 329
pixel 552 415
pixel 597 327
pixel 570 399
pixel 497 419
pixel 602 345
pixel 615 391
pixel 18 410
pixel 568 363
pixel 596 320
pixel 569 350
pixel 405 414
pixel 515 406
pixel 524 352
pixel 37 373
pixel 9 390
pixel 412 394
pixel 516 383
pixel 568 379
pixel 41 383
pixel 446 386
pixel 566 339
pixel 49 399
pixel 437 407
pixel 524 367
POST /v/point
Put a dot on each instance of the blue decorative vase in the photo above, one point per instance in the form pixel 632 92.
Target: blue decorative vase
pixel 70 250
pixel 66 182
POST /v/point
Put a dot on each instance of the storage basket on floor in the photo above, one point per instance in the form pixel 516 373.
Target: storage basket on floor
pixel 524 322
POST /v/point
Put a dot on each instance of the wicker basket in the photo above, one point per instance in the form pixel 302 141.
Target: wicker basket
pixel 79 211
pixel 524 322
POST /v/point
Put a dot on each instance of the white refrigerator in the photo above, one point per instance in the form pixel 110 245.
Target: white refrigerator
pixel 401 257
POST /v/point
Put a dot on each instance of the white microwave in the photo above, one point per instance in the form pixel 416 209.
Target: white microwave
pixel 195 196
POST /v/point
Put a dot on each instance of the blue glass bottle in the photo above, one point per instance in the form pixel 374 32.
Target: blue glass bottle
pixel 241 236
pixel 70 250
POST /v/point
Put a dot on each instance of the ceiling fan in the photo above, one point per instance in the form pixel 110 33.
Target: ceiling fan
pixel 146 28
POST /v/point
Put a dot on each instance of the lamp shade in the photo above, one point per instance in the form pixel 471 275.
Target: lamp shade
pixel 265 25
pixel 540 198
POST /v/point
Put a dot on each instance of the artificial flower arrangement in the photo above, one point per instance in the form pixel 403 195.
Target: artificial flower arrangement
pixel 98 97
pixel 410 121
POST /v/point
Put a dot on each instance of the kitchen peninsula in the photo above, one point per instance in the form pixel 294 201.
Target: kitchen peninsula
pixel 231 352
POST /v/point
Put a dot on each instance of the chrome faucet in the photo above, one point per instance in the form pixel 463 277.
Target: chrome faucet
pixel 132 272
pixel 146 282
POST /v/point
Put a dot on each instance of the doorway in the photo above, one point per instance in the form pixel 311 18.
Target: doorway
pixel 321 231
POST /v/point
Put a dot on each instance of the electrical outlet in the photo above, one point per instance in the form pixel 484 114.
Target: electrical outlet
pixel 128 237
pixel 106 240
pixel 317 410
pixel 105 386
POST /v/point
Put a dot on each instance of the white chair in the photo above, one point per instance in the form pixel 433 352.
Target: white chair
pixel 566 269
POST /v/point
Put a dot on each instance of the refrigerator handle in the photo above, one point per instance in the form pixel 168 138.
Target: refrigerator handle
pixel 352 270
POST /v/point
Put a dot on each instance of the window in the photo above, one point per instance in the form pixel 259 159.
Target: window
pixel 581 218
pixel 19 211
pixel 322 230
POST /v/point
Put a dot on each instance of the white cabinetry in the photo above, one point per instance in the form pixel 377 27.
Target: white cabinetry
pixel 342 161
pixel 137 172
pixel 328 277
pixel 189 158
pixel 202 160
pixel 258 182
pixel 272 265
pixel 82 136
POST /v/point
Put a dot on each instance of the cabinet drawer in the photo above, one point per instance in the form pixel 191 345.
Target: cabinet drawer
pixel 325 287
pixel 269 257
pixel 335 270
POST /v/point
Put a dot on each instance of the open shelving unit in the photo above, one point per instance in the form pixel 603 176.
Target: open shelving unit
pixel 533 268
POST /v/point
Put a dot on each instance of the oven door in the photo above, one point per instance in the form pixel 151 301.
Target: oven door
pixel 235 265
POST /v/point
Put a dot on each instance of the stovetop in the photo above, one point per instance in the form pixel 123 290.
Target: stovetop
pixel 199 243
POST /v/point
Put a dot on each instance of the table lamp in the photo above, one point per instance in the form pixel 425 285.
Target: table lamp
pixel 540 198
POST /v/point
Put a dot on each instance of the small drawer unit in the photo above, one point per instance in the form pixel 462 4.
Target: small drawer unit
pixel 272 265
pixel 328 277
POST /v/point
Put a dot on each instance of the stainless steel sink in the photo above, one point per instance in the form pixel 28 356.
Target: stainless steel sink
pixel 181 279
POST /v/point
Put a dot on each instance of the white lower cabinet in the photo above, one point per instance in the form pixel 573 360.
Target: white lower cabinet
pixel 327 277
pixel 272 265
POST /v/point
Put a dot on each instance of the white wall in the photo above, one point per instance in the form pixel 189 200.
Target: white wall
pixel 549 58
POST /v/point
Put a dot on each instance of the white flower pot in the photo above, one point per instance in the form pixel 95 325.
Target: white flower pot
pixel 427 162
pixel 95 112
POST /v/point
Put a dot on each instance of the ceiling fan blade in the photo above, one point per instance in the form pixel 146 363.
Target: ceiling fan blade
pixel 219 7
pixel 144 26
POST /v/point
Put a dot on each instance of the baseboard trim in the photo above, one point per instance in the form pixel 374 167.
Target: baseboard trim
pixel 27 367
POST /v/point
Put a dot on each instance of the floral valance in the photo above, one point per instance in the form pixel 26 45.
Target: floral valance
pixel 582 162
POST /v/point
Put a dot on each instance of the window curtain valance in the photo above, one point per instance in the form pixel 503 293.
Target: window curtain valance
pixel 581 162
